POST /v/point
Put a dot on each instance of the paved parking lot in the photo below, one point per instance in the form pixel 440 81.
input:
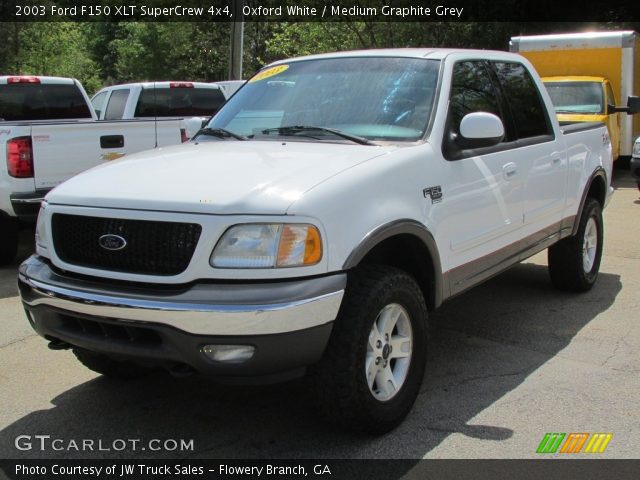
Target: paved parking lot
pixel 508 362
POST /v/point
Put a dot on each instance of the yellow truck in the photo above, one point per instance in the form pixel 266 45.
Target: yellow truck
pixel 587 75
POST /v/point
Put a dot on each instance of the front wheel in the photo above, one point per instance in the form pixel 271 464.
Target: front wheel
pixel 372 369
pixel 575 261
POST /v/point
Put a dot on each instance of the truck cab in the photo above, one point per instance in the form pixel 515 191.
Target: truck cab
pixel 193 101
pixel 585 99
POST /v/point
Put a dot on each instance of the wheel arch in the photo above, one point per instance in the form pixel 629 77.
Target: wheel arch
pixel 596 188
pixel 408 245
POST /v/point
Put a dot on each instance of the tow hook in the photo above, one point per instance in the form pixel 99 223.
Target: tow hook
pixel 59 345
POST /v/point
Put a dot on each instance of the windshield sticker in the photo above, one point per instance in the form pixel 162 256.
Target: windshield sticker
pixel 269 72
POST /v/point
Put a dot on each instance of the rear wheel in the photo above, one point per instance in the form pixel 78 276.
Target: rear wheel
pixel 110 367
pixel 575 261
pixel 372 369
pixel 8 240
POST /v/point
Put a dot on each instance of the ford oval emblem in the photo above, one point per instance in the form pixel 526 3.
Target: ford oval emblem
pixel 112 242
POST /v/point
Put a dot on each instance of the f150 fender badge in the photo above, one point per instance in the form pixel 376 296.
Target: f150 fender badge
pixel 112 242
pixel 434 192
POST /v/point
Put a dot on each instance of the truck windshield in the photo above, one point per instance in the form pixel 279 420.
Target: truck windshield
pixel 42 101
pixel 576 97
pixel 373 98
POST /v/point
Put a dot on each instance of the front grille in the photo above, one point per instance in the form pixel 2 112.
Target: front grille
pixel 152 248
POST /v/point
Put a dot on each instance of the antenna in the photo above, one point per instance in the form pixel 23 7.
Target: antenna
pixel 155 112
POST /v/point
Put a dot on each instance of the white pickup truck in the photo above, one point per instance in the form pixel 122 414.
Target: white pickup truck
pixel 49 132
pixel 326 209
pixel 194 101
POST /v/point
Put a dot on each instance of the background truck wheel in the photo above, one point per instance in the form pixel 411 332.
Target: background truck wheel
pixel 8 240
pixel 574 262
pixel 372 369
pixel 110 367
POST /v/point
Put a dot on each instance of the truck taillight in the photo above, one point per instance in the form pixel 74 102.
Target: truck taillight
pixel 180 85
pixel 23 80
pixel 20 157
pixel 183 135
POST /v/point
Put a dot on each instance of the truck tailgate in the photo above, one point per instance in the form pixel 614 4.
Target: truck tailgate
pixel 64 149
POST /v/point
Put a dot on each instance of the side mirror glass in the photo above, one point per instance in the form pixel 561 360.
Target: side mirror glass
pixel 480 129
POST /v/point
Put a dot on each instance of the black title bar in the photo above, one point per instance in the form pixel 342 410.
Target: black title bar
pixel 316 10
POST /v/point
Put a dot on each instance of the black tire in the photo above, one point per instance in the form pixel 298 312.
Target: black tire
pixel 567 267
pixel 340 379
pixel 8 240
pixel 110 367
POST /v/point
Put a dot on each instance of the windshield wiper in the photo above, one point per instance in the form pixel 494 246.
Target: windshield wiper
pixel 301 129
pixel 220 133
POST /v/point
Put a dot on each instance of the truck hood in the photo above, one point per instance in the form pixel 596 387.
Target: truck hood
pixel 216 177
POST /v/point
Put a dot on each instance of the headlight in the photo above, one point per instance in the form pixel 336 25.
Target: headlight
pixel 41 231
pixel 263 245
pixel 636 148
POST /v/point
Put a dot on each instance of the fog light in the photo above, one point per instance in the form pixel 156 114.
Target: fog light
pixel 228 353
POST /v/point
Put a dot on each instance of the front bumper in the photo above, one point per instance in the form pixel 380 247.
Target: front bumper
pixel 288 322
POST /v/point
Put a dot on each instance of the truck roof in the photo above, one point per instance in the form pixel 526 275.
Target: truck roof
pixel 429 53
pixel 36 79
pixel 572 41
pixel 166 84
pixel 574 78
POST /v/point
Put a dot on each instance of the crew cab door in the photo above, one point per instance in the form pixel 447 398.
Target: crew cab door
pixel 485 186
pixel 536 146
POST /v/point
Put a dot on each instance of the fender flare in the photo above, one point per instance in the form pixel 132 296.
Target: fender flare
pixel 392 229
pixel 598 172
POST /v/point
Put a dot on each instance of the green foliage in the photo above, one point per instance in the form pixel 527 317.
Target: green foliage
pixel 105 53
pixel 55 49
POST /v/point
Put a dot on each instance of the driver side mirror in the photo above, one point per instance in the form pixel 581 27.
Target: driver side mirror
pixel 633 106
pixel 480 129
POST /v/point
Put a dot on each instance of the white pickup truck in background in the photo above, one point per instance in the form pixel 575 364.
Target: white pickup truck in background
pixel 49 133
pixel 196 102
pixel 330 205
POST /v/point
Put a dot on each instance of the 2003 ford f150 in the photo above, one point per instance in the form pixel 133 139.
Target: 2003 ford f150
pixel 325 210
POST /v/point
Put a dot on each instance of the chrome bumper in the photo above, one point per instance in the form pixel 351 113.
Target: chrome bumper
pixel 201 309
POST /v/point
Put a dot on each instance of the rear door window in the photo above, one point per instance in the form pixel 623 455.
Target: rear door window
pixel 116 105
pixel 42 101
pixel 179 102
pixel 527 109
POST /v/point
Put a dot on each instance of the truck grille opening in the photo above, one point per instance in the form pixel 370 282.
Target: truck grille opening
pixel 131 246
